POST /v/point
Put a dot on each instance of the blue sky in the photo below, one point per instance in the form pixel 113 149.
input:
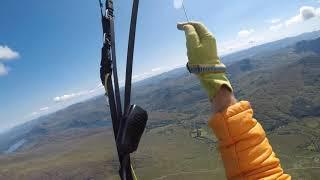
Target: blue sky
pixel 50 50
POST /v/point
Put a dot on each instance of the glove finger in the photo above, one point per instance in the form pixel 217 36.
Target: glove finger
pixel 201 29
pixel 180 25
pixel 192 37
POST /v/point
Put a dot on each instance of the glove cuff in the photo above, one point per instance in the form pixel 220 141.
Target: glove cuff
pixel 213 82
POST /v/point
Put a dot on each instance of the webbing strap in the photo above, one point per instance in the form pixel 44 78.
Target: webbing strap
pixel 127 94
pixel 109 68
pixel 114 62
pixel 132 35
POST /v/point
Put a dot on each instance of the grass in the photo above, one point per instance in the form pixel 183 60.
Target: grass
pixel 168 152
pixel 75 158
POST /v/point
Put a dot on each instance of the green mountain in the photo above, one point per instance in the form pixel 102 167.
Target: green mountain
pixel 270 47
pixel 282 84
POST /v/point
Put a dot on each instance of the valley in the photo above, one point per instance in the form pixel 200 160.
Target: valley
pixel 282 84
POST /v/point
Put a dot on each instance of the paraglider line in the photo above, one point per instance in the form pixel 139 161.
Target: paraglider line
pixel 185 12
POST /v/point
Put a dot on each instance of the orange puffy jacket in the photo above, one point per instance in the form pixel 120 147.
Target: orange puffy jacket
pixel 244 148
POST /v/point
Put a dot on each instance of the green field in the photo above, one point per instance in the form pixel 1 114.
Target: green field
pixel 171 151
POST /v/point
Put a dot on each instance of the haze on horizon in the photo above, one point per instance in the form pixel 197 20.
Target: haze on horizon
pixel 50 60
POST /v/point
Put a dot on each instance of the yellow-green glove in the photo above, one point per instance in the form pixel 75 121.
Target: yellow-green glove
pixel 202 52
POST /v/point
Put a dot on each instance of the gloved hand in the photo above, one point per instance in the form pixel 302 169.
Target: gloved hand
pixel 202 51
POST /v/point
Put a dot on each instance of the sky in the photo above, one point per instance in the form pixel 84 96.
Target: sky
pixel 50 50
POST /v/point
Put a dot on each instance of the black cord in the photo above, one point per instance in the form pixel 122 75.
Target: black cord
pixel 185 12
pixel 131 42
pixel 106 70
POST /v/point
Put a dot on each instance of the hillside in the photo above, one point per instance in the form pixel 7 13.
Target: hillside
pixel 283 86
pixel 270 47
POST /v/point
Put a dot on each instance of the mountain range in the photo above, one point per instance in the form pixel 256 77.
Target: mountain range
pixel 281 80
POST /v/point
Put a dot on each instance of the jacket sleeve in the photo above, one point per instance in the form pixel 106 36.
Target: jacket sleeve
pixel 243 144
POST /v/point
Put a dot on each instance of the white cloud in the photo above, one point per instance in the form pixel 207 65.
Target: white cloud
pixel 156 69
pixel 294 20
pixel 318 11
pixel 274 21
pixel 227 47
pixel 86 93
pixel 245 33
pixel 7 54
pixel 232 46
pixel 44 109
pixel 305 13
pixel 67 97
pixel 276 27
pixel 142 76
pixel 34 113
pixel 252 41
pixel 40 112
pixel 177 4
pixel 3 70
pixel 100 88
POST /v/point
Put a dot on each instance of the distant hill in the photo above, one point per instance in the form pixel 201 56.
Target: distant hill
pixel 282 82
pixel 174 91
pixel 88 114
pixel 269 47
pixel 283 94
pixel 305 46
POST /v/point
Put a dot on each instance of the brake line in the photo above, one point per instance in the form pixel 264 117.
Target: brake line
pixel 130 53
pixel 108 67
